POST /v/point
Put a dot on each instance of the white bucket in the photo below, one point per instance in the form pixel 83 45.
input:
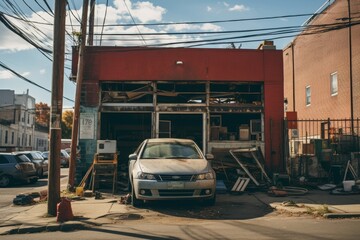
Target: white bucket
pixel 348 185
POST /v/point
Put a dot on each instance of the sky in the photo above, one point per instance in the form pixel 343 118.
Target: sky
pixel 216 18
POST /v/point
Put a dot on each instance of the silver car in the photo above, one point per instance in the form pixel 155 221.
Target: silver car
pixel 169 168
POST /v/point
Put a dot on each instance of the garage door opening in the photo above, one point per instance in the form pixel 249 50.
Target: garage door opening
pixel 188 126
pixel 128 129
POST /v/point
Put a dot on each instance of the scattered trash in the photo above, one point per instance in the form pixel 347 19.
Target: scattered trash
pixel 240 184
pixel 327 187
pixel 98 195
pixel 23 199
pixel 275 192
pixel 125 199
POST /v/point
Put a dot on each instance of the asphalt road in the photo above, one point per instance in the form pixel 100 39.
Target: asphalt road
pixel 268 227
pixel 8 194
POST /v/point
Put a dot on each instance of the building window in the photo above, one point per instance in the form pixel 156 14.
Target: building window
pixel 29 140
pixel 308 95
pixel 6 136
pixel 12 137
pixel 333 84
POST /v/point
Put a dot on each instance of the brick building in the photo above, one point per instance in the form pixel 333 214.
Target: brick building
pixel 317 66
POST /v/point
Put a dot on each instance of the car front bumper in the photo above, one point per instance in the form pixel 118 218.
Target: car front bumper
pixel 166 190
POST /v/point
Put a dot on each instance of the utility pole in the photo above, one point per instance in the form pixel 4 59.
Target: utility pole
pixel 350 72
pixel 79 78
pixel 56 106
pixel 91 23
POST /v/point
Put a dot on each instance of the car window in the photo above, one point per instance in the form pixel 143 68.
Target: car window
pixel 21 158
pixel 170 150
pixel 64 153
pixel 45 154
pixel 36 155
pixel 3 159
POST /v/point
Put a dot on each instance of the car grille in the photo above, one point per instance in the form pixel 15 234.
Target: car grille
pixel 174 178
pixel 174 193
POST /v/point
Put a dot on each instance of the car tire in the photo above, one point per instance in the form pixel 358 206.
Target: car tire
pixel 210 201
pixel 134 201
pixel 41 173
pixel 5 181
pixel 33 180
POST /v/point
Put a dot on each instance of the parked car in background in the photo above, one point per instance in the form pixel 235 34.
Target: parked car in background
pixel 166 168
pixel 64 157
pixel 16 168
pixel 41 164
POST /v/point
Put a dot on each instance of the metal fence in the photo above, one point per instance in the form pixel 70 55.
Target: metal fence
pixel 340 135
pixel 317 148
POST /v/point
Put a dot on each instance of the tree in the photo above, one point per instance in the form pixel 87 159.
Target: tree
pixel 42 114
pixel 66 123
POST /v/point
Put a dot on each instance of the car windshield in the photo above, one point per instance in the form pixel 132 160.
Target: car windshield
pixel 64 153
pixel 35 156
pixel 172 150
pixel 22 158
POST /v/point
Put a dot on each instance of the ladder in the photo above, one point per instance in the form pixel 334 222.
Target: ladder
pixel 104 170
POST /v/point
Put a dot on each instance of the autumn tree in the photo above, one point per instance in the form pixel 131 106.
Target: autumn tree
pixel 66 123
pixel 42 114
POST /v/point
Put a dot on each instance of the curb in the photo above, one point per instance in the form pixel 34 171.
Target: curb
pixel 341 215
pixel 63 227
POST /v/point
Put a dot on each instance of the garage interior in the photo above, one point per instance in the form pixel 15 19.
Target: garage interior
pixel 216 115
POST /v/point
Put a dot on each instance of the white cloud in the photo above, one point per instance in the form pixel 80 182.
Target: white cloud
pixel 146 12
pixel 226 4
pixel 208 8
pixel 189 27
pixel 239 8
pixel 11 42
pixel 5 74
pixel 42 71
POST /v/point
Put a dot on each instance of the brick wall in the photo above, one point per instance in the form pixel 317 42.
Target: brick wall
pixel 315 58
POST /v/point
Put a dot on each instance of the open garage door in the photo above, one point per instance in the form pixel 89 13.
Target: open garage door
pixel 182 125
pixel 128 129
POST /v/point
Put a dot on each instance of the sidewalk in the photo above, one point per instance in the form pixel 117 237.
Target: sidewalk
pixel 90 212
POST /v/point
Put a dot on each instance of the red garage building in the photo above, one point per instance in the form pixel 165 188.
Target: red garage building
pixel 221 98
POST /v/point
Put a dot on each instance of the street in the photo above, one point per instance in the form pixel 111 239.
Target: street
pixel 241 216
pixel 259 228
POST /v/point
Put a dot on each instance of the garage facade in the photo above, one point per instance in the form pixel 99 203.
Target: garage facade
pixel 221 98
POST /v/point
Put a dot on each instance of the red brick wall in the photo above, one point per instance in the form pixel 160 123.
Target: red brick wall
pixel 315 58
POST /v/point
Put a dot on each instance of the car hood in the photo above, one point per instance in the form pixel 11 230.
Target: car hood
pixel 174 166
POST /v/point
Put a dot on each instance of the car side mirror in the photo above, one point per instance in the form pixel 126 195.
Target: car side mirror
pixel 209 156
pixel 132 156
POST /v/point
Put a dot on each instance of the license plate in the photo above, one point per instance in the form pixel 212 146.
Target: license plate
pixel 175 185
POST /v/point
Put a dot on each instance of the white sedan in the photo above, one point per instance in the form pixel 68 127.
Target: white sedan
pixel 169 168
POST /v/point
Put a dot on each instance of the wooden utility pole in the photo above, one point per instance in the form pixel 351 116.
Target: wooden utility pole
pixel 56 106
pixel 91 23
pixel 79 78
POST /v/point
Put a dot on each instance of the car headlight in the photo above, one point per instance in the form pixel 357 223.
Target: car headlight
pixel 204 176
pixel 147 176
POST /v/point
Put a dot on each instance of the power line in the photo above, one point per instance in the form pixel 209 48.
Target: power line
pixel 27 80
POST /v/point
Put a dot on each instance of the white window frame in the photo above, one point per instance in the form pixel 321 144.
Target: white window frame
pixel 308 95
pixel 334 78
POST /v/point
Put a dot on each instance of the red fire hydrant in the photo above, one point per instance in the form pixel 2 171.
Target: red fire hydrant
pixel 64 211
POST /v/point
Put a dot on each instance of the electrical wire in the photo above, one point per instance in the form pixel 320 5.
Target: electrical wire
pixel 27 80
pixel 104 20
pixel 134 22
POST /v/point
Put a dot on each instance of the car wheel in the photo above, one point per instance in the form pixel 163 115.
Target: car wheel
pixel 210 201
pixel 5 181
pixel 134 201
pixel 41 173
pixel 33 180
